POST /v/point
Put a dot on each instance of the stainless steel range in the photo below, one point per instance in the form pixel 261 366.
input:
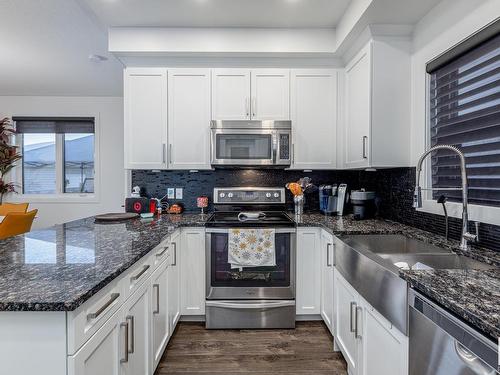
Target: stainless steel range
pixel 250 295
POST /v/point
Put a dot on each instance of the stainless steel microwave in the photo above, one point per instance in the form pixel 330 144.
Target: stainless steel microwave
pixel 251 143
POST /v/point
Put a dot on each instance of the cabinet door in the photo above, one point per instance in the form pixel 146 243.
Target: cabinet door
pixel 230 94
pixel 270 94
pixel 136 313
pixel 384 348
pixel 160 328
pixel 174 302
pixel 327 282
pixel 192 262
pixel 314 119
pixel 145 104
pixel 189 118
pixel 358 112
pixel 308 288
pixel 102 353
pixel 346 302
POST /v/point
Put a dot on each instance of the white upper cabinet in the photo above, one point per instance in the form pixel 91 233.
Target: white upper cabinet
pixel 377 106
pixel 243 94
pixel 231 94
pixel 314 119
pixel 145 98
pixel 270 99
pixel 189 118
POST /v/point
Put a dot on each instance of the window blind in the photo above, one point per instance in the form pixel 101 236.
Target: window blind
pixel 59 125
pixel 465 112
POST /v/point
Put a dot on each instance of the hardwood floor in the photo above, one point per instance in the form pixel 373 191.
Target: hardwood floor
pixel 305 350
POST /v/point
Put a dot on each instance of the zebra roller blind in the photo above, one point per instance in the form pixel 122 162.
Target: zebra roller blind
pixel 465 112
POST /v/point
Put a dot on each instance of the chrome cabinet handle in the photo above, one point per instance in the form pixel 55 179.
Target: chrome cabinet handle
pixel 103 308
pixel 131 324
pixel 174 263
pixel 293 153
pixel 351 318
pixel 157 288
pixel 356 328
pixel 170 146
pixel 365 138
pixel 328 260
pixel 138 276
pixel 247 106
pixel 125 358
pixel 160 254
pixel 164 153
pixel 254 106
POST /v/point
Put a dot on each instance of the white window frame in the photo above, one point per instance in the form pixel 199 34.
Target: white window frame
pixel 16 174
pixel 483 214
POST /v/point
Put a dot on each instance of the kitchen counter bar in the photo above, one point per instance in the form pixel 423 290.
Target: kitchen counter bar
pixel 61 267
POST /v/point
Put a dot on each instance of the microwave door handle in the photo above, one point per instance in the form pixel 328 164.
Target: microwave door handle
pixel 275 146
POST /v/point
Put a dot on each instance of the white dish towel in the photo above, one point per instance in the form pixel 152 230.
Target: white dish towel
pixel 251 248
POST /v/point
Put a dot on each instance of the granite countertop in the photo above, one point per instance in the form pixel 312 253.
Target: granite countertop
pixel 59 268
pixel 473 295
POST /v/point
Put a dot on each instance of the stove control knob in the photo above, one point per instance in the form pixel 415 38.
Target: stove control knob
pixel 268 195
pixel 276 195
pixel 222 195
pixel 230 195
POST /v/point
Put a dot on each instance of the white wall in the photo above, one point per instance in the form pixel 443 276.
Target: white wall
pixel 447 24
pixel 109 111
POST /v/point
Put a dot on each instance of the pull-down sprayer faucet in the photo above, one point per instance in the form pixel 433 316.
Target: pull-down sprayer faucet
pixel 417 196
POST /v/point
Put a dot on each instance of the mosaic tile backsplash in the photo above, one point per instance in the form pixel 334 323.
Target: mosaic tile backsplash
pixel 394 188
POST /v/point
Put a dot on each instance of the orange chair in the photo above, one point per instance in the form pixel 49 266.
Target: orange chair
pixel 16 223
pixel 5 208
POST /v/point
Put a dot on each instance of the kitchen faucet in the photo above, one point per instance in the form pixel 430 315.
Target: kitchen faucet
pixel 417 196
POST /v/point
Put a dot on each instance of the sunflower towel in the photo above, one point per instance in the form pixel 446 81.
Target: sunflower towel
pixel 251 248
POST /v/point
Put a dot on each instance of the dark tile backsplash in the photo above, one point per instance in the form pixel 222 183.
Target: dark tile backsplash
pixel 394 187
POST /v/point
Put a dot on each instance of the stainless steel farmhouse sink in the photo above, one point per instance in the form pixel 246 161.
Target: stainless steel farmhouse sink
pixel 372 263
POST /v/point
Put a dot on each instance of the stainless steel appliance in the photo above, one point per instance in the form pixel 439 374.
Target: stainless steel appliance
pixel 441 344
pixel 251 143
pixel 251 297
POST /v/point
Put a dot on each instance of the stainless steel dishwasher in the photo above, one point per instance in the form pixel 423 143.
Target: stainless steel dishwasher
pixel 441 344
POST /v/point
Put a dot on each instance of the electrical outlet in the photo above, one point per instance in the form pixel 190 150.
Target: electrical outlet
pixel 170 193
pixel 178 193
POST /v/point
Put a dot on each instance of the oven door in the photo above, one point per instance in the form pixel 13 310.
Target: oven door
pixel 251 283
pixel 243 147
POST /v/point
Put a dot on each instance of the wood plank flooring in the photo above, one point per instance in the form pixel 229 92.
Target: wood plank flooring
pixel 305 350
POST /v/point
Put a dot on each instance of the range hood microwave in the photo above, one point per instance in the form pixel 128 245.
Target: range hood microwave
pixel 243 143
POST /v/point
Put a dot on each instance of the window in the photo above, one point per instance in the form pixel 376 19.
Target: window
pixel 58 154
pixel 465 112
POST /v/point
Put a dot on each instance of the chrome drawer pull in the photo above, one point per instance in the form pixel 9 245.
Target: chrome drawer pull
pixel 328 260
pixel 174 244
pixel 125 359
pixel 138 276
pixel 131 321
pixel 103 308
pixel 356 328
pixel 157 288
pixel 162 252
pixel 351 318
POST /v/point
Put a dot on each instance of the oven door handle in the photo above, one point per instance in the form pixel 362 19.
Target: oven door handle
pixel 257 305
pixel 226 230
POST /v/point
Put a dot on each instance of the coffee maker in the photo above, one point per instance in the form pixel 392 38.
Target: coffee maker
pixel 332 199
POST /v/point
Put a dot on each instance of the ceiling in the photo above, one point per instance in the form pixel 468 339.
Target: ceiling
pixel 220 13
pixel 44 50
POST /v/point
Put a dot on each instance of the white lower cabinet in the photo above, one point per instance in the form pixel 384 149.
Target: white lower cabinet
pixel 174 297
pixel 136 316
pixel 192 261
pixel 160 325
pixel 371 345
pixel 308 289
pixel 385 349
pixel 327 282
pixel 101 354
